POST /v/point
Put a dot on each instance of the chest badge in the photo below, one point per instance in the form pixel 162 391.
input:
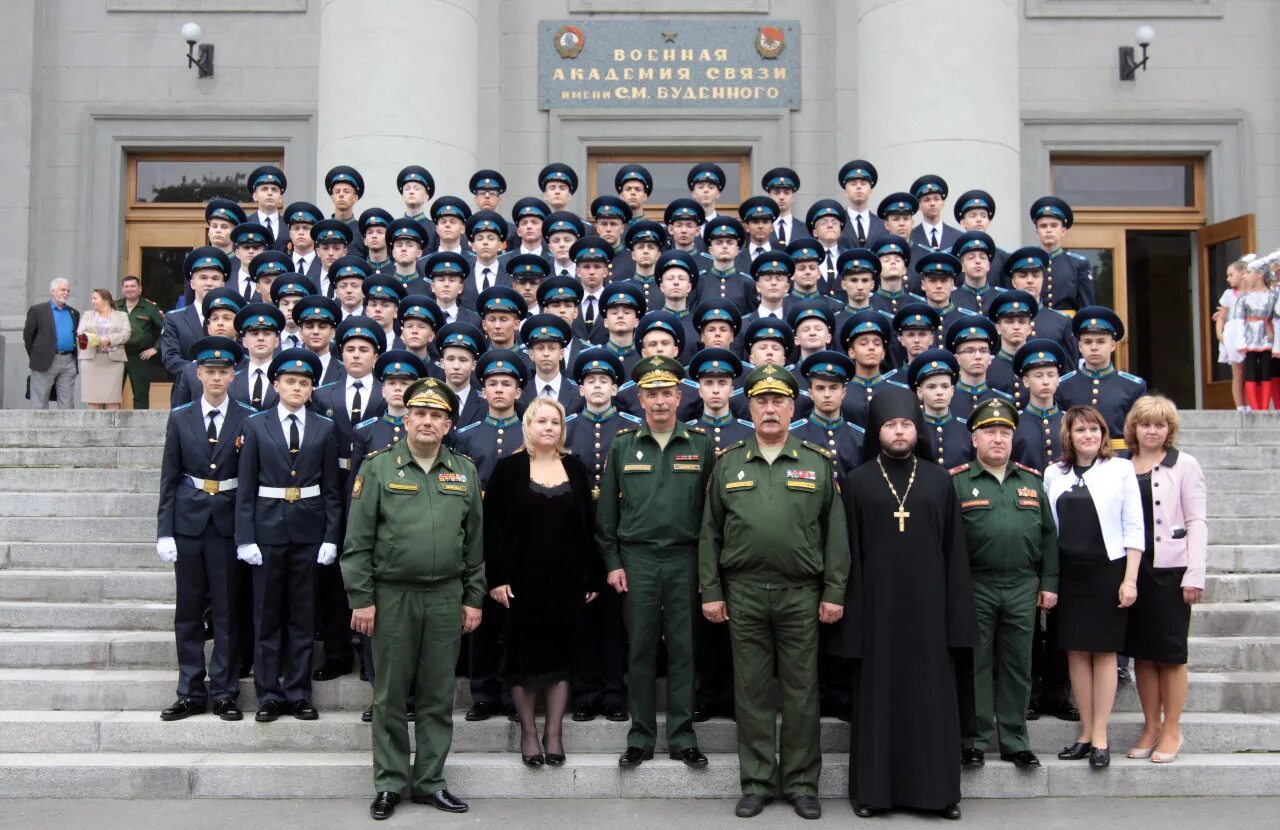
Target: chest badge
pixel 639 455
pixel 400 473
pixel 975 491
pixel 741 475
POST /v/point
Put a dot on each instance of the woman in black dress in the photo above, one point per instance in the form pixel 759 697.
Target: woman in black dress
pixel 1171 576
pixel 541 560
pixel 1098 510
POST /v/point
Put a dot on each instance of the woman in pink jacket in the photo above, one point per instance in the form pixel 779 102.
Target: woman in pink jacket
pixel 1171 575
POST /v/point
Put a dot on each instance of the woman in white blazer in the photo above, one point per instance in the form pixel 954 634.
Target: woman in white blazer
pixel 1098 510
pixel 100 339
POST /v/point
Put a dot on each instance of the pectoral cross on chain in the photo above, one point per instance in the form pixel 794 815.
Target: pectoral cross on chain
pixel 902 515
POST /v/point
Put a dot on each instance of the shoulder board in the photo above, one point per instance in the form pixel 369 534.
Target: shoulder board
pixel 322 417
pixel 183 406
pixel 798 424
pixel 854 426
pixel 1129 377
pixel 960 469
pixel 1002 394
pixel 998 289
pixel 469 427
pixel 263 412
pixel 635 419
pixel 746 278
pixel 375 452
pixel 627 385
pixel 1081 257
pixel 691 422
pixel 687 382
pixel 735 445
pixel 822 451
pixel 697 429
pixel 366 422
pixel 1067 376
pixel 735 393
pixel 968 310
pixel 570 417
pixel 246 406
pixel 964 421
pixel 904 386
pixel 1054 310
pixel 326 385
pixel 628 430
pixel 746 423
pixel 885 313
pixel 1031 470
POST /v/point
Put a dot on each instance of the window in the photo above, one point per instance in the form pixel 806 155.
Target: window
pixel 1104 184
pixel 670 177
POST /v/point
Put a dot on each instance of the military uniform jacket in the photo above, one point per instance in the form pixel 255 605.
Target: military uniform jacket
pixel 968 396
pixel 1000 375
pixel 589 435
pixel 948 440
pixel 731 285
pixel 976 299
pixel 858 394
pixel 651 498
pixel 187 507
pixel 1008 526
pixel 1037 440
pixel 413 528
pixel 265 461
pixel 949 314
pixel 375 435
pixel 145 322
pixel 1111 391
pixel 1068 282
pixel 330 401
pixel 653 299
pixel 889 302
pixel 568 395
pixel 1056 326
pixel 180 330
pixel 774 525
pixel 724 431
pixel 841 439
pixel 241 388
pixel 488 440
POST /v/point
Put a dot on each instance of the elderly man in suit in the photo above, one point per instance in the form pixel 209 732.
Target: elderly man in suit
pixel 50 339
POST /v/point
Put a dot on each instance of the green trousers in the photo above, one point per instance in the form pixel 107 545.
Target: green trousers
pixel 139 374
pixel 1006 624
pixel 416 633
pixel 768 627
pixel 661 594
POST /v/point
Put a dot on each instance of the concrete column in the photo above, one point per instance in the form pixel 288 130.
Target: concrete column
pixel 398 86
pixel 937 92
pixel 21 279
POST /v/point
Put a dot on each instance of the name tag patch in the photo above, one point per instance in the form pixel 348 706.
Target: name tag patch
pixel 402 487
pixel 807 486
pixel 739 485
pixel 637 468
pixel 457 489
pixel 972 504
pixel 1028 502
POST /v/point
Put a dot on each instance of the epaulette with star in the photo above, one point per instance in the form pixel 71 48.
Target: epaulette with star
pixel 626 431
pixel 375 452
pixel 1031 470
pixel 735 445
pixel 823 451
pixel 960 469
pixel 698 430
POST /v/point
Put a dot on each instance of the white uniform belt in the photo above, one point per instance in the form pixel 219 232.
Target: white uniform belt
pixel 289 494
pixel 344 463
pixel 213 487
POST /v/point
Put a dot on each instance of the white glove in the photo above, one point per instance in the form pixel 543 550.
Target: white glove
pixel 328 554
pixel 249 553
pixel 167 549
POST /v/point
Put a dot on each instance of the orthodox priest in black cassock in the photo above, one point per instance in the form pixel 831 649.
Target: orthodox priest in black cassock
pixel 909 615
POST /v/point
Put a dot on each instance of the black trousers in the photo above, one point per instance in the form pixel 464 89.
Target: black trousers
pixel 334 617
pixel 485 665
pixel 284 622
pixel 713 663
pixel 205 568
pixel 1050 682
pixel 599 673
pixel 243 574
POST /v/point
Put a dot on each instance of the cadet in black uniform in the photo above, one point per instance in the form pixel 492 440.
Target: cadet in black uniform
pixel 865 336
pixel 724 236
pixel 611 215
pixel 706 182
pixel 622 304
pixel 915 324
pixel 195 527
pixel 450 215
pixel 782 184
pixel 592 256
pixel 974 210
pixel 932 375
pixel 938 274
pixel 977 289
pixel 767 341
pixel 598 685
pixel 828 373
pixel 407 239
pixel 715 371
pixel 634 185
pixel 895 258
pixel 220 307
pixel 1069 278
pixel 561 296
pixel 461 345
pixel 526 272
pixel 677 274
pixel 972 341
pixel 1012 313
pixel 419 318
pixel 288 512
pixel 546 336
pixel 825 222
pixel 258 326
pixel 558 182
pixel 394 371
pixel 718 323
pixel 1025 269
pixel 807 255
pixel 645 240
pixel 1037 442
pixel 660 333
pixel 417 188
pixel 1098 383
pixel 684 219
pixel 758 215
pixel 371 229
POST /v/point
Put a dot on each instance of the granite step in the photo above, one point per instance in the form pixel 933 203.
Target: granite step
pixel 1255 435
pixel 39 481
pixel 501 775
pixel 151 689
pixel 69 419
pixel 140 436
pixel 139 555
pixel 142 731
pixel 82 529
pixel 1212 457
pixel 1236 619
pixel 103 503
pixel 1246 558
pixel 99 458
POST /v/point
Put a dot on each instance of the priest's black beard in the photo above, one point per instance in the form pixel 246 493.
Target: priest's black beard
pixel 906 453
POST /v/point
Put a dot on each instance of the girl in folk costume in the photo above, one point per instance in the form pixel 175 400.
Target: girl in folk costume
pixel 1271 274
pixel 1255 308
pixel 1228 329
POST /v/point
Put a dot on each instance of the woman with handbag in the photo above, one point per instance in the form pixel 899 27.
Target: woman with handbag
pixel 100 341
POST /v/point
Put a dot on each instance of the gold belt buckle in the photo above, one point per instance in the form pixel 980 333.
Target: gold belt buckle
pixel 292 494
pixel 211 487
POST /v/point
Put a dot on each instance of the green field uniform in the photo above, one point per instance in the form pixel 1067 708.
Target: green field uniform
pixel 414 548
pixel 647 521
pixel 774 545
pixel 145 322
pixel 1013 554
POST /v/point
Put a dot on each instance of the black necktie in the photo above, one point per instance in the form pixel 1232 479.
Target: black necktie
pixel 270 227
pixel 548 392
pixel 484 284
pixel 830 267
pixel 293 341
pixel 295 441
pixel 933 238
pixel 755 252
pixel 301 260
pixel 249 289
pixel 213 430
pixel 257 388
pixel 589 316
pixel 782 232
pixel 356 406
pixel 564 272
pixel 860 230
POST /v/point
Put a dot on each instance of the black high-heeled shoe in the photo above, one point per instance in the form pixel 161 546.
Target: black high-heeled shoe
pixel 554 759
pixel 532 760
pixel 1100 758
pixel 1075 752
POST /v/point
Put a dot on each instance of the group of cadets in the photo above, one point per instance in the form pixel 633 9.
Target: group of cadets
pixel 304 330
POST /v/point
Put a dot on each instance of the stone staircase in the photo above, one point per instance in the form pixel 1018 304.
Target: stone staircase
pixel 87 656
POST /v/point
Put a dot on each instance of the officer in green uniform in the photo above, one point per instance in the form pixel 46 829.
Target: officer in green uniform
pixel 647 523
pixel 145 322
pixel 1013 555
pixel 413 567
pixel 773 560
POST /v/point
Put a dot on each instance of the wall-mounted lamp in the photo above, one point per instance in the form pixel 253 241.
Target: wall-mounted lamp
pixel 191 33
pixel 1128 66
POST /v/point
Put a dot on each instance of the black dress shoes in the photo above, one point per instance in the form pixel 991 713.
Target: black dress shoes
pixel 1066 711
pixel 1024 758
pixel 584 712
pixel 268 711
pixel 751 805
pixel 384 804
pixel 510 711
pixel 410 712
pixel 443 800
pixel 807 806
pixel 701 715
pixel 183 707
pixel 865 811
pixel 1033 713
pixel 534 761
pixel 479 711
pixel 970 757
pixel 951 812
pixel 617 713
pixel 303 710
pixel 227 709
pixel 692 757
pixel 1100 758
pixel 554 759
pixel 1075 752
pixel 635 756
pixel 327 673
pixel 246 671
pixel 367 716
